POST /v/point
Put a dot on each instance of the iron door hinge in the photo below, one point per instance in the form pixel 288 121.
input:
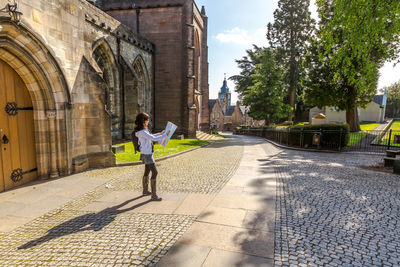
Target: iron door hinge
pixel 17 174
pixel 12 108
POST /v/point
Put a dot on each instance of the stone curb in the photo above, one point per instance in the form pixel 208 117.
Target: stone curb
pixel 162 158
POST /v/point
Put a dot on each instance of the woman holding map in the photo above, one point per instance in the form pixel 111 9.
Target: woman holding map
pixel 146 140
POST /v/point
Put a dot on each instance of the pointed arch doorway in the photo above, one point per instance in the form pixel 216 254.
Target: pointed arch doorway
pixel 17 134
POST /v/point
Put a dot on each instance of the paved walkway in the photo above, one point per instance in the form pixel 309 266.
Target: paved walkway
pixel 239 202
pixel 236 228
pixel 331 212
pixel 100 218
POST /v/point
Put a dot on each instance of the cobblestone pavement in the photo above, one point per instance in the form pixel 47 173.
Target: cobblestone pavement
pixel 204 170
pixel 330 212
pixel 69 236
pixel 73 238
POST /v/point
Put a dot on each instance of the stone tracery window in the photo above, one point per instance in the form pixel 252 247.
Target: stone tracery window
pixel 105 59
pixel 143 86
pixel 106 63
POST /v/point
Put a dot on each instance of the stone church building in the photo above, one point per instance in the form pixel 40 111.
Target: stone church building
pixel 223 115
pixel 74 74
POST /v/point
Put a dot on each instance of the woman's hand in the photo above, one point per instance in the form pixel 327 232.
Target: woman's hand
pixel 162 132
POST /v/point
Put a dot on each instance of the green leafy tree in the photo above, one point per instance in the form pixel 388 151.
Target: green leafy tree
pixel 265 96
pixel 289 34
pixel 393 100
pixel 247 65
pixel 354 39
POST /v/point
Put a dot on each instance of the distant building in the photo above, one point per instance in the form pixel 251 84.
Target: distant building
pixel 223 115
pixel 373 112
pixel 217 114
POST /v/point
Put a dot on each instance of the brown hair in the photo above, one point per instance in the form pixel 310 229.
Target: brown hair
pixel 140 119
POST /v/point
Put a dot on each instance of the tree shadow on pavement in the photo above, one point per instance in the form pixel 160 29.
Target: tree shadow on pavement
pixel 88 222
pixel 257 241
pixel 327 205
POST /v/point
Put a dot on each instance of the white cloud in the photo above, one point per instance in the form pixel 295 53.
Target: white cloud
pixel 242 37
pixel 389 74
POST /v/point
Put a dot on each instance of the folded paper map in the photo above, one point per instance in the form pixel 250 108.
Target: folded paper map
pixel 170 129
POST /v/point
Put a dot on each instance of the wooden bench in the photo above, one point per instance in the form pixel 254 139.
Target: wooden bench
pixel 392 160
pixel 392 153
pixel 393 163
pixel 389 161
pixel 118 149
pixel 396 166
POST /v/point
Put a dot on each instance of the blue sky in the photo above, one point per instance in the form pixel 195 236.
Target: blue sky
pixel 234 25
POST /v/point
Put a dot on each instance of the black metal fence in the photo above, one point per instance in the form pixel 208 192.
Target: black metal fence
pixel 339 140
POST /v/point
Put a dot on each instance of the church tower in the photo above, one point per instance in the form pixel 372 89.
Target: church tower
pixel 178 29
pixel 224 96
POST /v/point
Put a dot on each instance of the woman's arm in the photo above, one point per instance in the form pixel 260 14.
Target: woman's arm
pixel 158 134
pixel 152 137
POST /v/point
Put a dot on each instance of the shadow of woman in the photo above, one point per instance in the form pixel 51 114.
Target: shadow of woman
pixel 87 222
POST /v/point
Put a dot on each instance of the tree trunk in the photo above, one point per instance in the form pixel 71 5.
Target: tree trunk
pixel 292 99
pixel 292 86
pixel 352 120
pixel 266 121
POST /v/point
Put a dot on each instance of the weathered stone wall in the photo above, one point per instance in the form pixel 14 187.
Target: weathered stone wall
pixel 181 85
pixel 205 119
pixel 76 99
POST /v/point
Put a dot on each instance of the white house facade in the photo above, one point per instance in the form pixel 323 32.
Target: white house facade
pixel 373 112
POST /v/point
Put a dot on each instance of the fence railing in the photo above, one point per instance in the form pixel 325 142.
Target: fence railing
pixel 339 140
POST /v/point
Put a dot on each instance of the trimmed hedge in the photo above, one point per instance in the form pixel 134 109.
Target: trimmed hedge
pixel 331 126
pixel 333 136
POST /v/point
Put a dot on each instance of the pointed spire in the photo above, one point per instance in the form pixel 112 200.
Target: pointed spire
pixel 203 10
pixel 224 88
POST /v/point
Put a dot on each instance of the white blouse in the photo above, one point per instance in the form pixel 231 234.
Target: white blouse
pixel 146 139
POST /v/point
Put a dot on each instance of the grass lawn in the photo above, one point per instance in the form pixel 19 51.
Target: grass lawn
pixel 395 126
pixel 395 131
pixel 218 135
pixel 174 146
pixel 356 137
pixel 368 126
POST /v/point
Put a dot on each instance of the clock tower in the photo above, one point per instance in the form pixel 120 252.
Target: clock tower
pixel 224 96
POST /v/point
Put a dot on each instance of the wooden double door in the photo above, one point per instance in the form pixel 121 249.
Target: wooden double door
pixel 17 135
